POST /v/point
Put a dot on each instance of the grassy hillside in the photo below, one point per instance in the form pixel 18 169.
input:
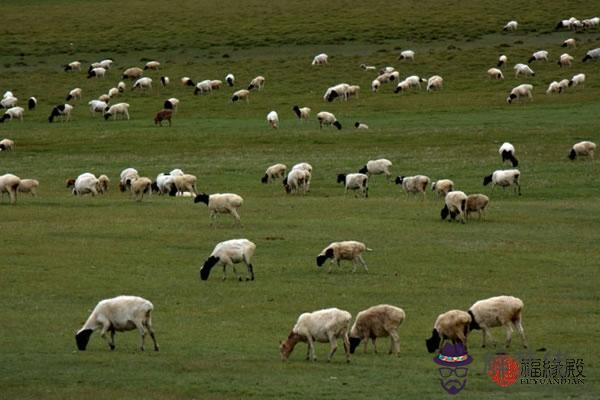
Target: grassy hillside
pixel 62 254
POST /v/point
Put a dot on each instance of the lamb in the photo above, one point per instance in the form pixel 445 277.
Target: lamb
pixel 139 187
pixel 361 126
pixel 511 26
pixel 13 113
pixel 103 183
pixel 375 322
pixel 153 65
pixel 8 101
pixel 495 73
pixel 273 119
pixel 413 184
pixel 121 86
pixel 84 184
pixel 368 67
pixel 9 183
pixel 186 81
pixel 171 104
pixel 348 250
pixel 163 115
pixel 477 203
pixel 302 113
pixel 143 84
pixel 584 148
pixel 164 81
pixel 229 253
pixel 73 66
pixel 327 118
pixel 221 203
pixel 121 109
pixel 436 82
pixel 455 204
pixel 502 60
pixel 498 311
pixel 442 187
pixel 7 145
pixel 452 325
pixel 257 82
pixel 215 84
pixel 113 92
pixel 274 172
pixel 320 59
pixel 323 326
pixel 74 94
pixel 504 178
pixel 565 60
pixel 61 110
pixel 522 69
pixel 375 85
pixel 377 167
pixel 242 94
pixel 358 182
pixel 339 90
pixel 28 186
pixel 96 72
pixel 230 79
pixel 569 43
pixel 203 86
pixel 412 81
pixel 31 103
pixel 184 183
pixel 577 80
pixel 133 73
pixel 295 181
pixel 520 91
pixel 407 55
pixel 119 314
pixel 507 151
pixel 592 55
pixel 538 55
pixel 127 175
pixel 97 106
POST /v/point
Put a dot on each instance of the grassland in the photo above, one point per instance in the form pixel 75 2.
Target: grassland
pixel 61 254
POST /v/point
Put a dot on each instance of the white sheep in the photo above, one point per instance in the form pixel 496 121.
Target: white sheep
pixel 229 253
pixel 496 311
pixel 377 167
pixel 565 60
pixel 593 54
pixel 553 87
pixel 9 183
pixel 412 81
pixel 296 181
pixel 153 65
pixel 119 314
pixel 257 83
pixel 13 113
pixel 442 187
pixel 121 86
pixel 115 110
pixel 582 149
pixel 221 203
pixel 274 172
pixel 61 110
pixel 378 321
pixel 273 119
pixel 302 113
pixel 495 73
pixel 507 152
pixel 323 326
pixel 97 106
pixel 183 183
pixel 84 184
pixel 7 94
pixel 538 55
pixel 105 98
pixel 98 72
pixel 31 103
pixel 106 64
pixel 320 59
pixel 436 82
pixel 375 85
pixel 203 87
pixel 133 73
pixel 28 186
pixel 504 178
pixel 347 250
pixel 511 26
pixel 230 79
pixel 578 79
pixel 407 55
pixel 128 174
pixel 452 325
pixel 520 91
pixel 7 144
pixel 113 92
pixel 74 94
pixel 522 69
pixel 8 101
pixel 358 182
pixel 241 94
pixel 455 203
pixel 569 43
pixel 340 90
pixel 187 81
pixel 327 118
pixel 413 184
pixel 476 203
pixel 502 60
pixel 361 125
pixel 386 70
pixel 73 66
pixel 307 168
pixel 144 84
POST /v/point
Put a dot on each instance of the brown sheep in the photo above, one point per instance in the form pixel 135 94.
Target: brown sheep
pixel 377 321
pixel 477 203
pixel 162 115
pixel 452 325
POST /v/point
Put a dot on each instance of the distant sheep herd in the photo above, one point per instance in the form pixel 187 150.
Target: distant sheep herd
pixel 124 313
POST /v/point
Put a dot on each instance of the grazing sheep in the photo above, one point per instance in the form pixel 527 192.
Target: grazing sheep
pixel 165 183
pixel 553 88
pixel 320 59
pixel 413 184
pixel 273 119
pixel 565 60
pixel 171 104
pixel 257 83
pixel 377 167
pixel 323 326
pixel 164 81
pixel 216 84
pixel 31 103
pixel 496 311
pixel 511 26
pixel 74 94
pixel 103 183
pixel 455 204
pixel 407 55
pixel 502 60
pixel 9 183
pixel 153 65
pixel 230 79
pixel 97 106
pixel 358 182
pixel 504 178
pixel 184 183
pixel 582 149
pixel 296 181
pixel 442 187
pixel 360 125
pixel 522 69
pixel 73 66
pixel 7 145
pixel 127 175
pixel 143 84
pixel 105 98
pixel 569 43
pixel 221 203
pixel 353 91
pixel 452 325
pixel 538 55
pixel 229 253
pixel 187 81
pixel 436 82
pixel 8 101
pixel 61 110
pixel 302 113
pixel 348 250
pixel 327 118
pixel 84 184
pixel 340 90
pixel 119 314
pixel 592 55
pixel 375 85
pixel 242 94
pixel 203 86
pixel 578 79
pixel 98 72
pixel 591 22
pixel 368 67
pixel 115 110
pixel 375 322
pixel 13 113
pixel 140 187
pixel 163 115
pixel 412 81
pixel 477 203
pixel 133 73
pixel 495 73
pixel 507 152
pixel 113 92
pixel 275 171
pixel 28 186
pixel 307 168
pixel 520 91
pixel 565 23
pixel 121 86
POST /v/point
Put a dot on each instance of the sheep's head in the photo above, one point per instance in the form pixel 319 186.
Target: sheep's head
pixel 82 338
pixel 337 125
pixel 399 180
pixel 433 343
pixel 354 342
pixel 323 257
pixel 107 116
pixel 265 178
pixel 70 182
pixel 154 187
pixel 208 265
pixel 444 213
pixel 341 178
pixel 398 89
pixel 572 154
pixel 234 98
pixel 286 348
pixel 363 170
pixel 473 325
pixel 202 197
pixel 332 95
pixel 296 109
pixel 122 187
pixel 487 180
pixel 510 98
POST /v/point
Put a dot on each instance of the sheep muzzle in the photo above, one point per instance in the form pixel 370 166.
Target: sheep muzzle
pixel 82 338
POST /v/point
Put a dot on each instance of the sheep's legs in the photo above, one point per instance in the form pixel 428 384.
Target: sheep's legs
pixel 346 346
pixel 519 327
pixel 373 339
pixel 366 346
pixel 395 345
pixel 142 335
pixel 362 261
pixel 224 271
pixel 239 278
pixel 148 324
pixel 509 331
pixel 250 272
pixel 236 217
pixel 311 348
pixel 333 348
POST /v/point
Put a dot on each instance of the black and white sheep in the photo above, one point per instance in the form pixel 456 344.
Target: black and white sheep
pixel 13 113
pixel 257 83
pixel 520 91
pixel 115 110
pixel 442 187
pixel 7 144
pixel 522 69
pixel 413 184
pixel 377 167
pixel 221 203
pixel 358 182
pixel 582 149
pixel 510 26
pixel 230 79
pixel 593 54
pixel 242 94
pixel 133 73
pixel 229 253
pixel 455 204
pixel 31 103
pixel 302 113
pixel 497 311
pixel 347 250
pixel 327 118
pixel 452 325
pixel 504 178
pixel 378 321
pixel 507 152
pixel 61 110
pixel 275 171
pixel 538 55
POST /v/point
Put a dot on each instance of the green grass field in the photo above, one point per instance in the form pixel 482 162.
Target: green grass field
pixel 61 254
